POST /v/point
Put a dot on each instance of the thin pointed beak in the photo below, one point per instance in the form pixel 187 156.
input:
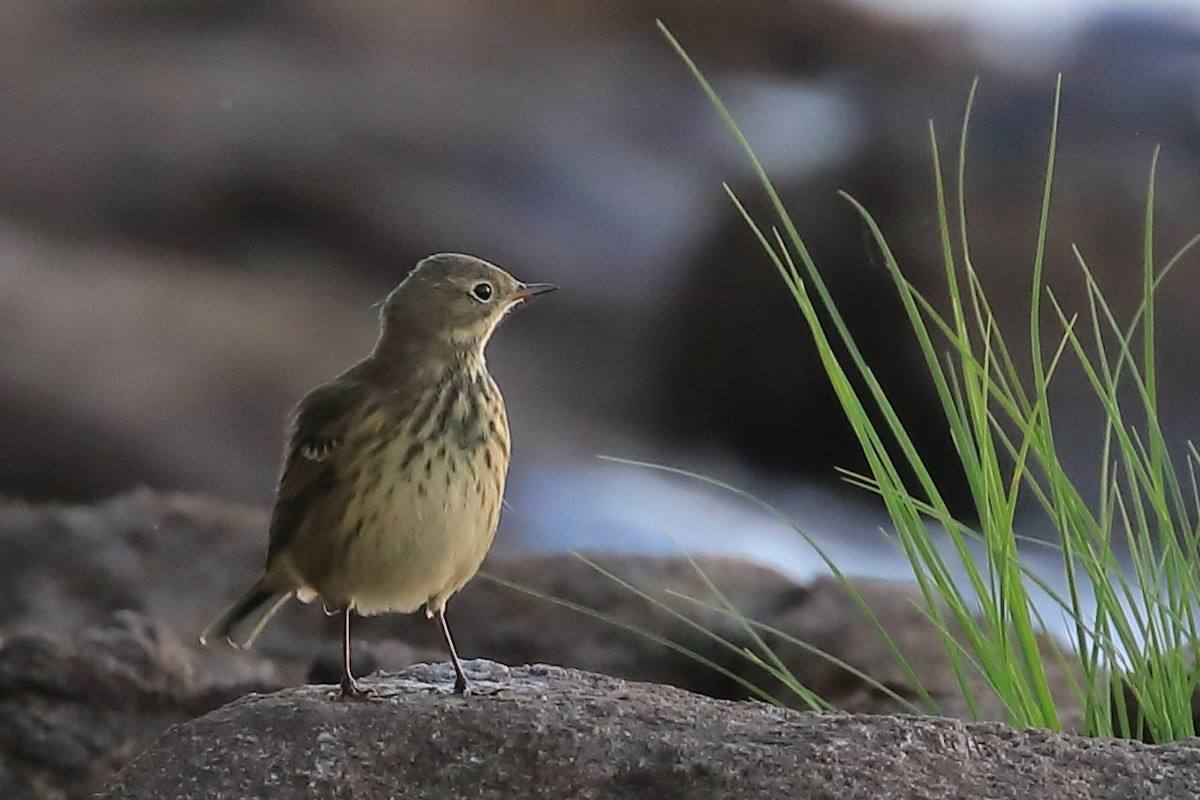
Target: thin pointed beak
pixel 528 290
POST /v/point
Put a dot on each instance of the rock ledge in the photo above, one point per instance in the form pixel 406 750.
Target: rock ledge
pixel 541 731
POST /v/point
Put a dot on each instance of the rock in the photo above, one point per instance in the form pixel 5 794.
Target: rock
pixel 73 709
pixel 548 732
pixel 181 559
pixel 64 566
pixel 128 661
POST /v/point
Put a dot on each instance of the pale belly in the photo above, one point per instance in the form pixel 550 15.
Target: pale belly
pixel 398 545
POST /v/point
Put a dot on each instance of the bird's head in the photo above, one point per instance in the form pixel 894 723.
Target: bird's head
pixel 454 300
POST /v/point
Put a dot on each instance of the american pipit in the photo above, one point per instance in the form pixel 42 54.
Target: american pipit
pixel 394 475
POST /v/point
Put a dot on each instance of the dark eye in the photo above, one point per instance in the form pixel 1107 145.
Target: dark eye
pixel 482 292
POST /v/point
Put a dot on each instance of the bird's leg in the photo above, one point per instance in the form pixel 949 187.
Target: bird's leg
pixel 460 682
pixel 350 687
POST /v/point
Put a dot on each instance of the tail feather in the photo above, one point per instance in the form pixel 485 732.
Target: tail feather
pixel 243 621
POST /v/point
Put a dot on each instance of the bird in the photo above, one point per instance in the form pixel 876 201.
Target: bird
pixel 393 476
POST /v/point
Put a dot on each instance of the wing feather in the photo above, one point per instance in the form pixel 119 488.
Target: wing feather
pixel 319 428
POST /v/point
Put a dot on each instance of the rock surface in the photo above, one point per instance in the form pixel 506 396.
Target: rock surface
pixel 100 607
pixel 73 709
pixel 180 559
pixel 554 733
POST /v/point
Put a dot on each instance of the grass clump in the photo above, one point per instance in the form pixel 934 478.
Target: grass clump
pixel 1136 639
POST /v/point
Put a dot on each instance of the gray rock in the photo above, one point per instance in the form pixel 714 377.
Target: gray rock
pixel 75 708
pixel 548 732
pixel 181 559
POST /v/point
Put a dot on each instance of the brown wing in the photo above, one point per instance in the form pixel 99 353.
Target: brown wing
pixel 319 428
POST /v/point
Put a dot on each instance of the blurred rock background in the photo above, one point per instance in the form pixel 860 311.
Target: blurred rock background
pixel 200 200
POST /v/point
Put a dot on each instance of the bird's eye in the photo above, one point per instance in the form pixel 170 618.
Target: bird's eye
pixel 482 292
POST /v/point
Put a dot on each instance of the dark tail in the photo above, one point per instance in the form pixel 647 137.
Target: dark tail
pixel 243 621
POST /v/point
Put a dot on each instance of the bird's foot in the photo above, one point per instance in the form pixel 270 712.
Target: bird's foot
pixel 351 690
pixel 464 688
